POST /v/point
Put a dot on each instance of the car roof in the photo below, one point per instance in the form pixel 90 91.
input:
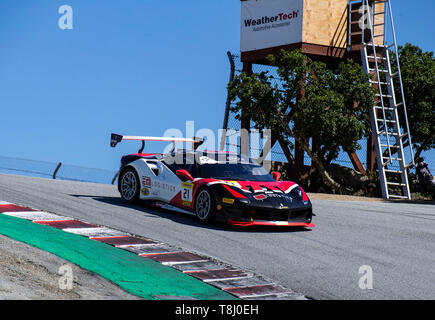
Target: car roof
pixel 206 157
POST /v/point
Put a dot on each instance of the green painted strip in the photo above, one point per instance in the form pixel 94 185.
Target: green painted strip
pixel 137 275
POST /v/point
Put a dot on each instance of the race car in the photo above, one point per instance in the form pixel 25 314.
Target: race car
pixel 213 185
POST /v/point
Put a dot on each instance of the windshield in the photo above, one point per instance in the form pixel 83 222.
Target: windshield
pixel 235 171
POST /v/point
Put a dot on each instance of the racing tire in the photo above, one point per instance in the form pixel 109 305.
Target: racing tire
pixel 205 205
pixel 129 185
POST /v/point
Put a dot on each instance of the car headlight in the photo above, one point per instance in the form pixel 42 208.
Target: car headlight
pixel 297 193
pixel 244 200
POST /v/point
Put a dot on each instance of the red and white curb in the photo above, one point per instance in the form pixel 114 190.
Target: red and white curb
pixel 244 285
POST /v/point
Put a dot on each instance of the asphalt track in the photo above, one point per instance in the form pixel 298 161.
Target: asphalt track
pixel 397 240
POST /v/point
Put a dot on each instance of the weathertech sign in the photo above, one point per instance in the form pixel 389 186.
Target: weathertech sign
pixel 270 23
pixel 266 20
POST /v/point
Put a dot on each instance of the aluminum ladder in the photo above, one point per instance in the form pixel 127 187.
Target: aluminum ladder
pixel 364 25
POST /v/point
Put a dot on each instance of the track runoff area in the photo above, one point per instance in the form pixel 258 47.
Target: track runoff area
pixel 142 266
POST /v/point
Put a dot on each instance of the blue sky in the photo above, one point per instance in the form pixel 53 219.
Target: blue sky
pixel 132 67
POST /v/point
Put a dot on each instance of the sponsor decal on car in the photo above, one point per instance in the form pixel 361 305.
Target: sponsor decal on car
pixel 281 223
pixel 186 192
pixel 145 191
pixel 278 195
pixel 228 200
pixel 260 197
pixel 207 160
pixel 163 186
pixel 146 181
pixel 234 184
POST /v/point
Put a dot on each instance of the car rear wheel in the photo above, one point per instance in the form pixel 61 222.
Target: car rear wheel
pixel 205 205
pixel 129 186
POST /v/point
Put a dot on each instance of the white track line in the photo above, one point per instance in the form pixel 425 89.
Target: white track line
pixel 171 263
pixel 98 232
pixel 263 295
pixel 138 245
pixel 225 279
pixel 35 215
pixel 199 270
pixel 156 253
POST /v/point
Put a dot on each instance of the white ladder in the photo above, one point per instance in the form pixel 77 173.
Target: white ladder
pixel 384 115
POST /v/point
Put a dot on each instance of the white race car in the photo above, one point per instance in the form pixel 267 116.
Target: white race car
pixel 212 185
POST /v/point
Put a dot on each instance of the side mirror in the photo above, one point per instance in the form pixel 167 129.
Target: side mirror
pixel 184 175
pixel 276 175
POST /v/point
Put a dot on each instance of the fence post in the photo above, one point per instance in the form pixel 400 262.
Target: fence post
pixel 114 178
pixel 228 102
pixel 56 170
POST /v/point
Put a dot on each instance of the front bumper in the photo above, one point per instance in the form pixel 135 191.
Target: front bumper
pixel 270 223
pixel 299 215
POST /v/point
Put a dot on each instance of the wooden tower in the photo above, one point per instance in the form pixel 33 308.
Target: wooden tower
pixel 330 31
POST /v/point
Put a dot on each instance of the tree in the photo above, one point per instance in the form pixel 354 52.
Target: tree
pixel 330 106
pixel 418 77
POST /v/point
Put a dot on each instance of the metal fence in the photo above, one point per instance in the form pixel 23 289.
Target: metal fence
pixel 45 169
pixel 276 153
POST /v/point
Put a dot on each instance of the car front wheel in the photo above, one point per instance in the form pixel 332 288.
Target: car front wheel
pixel 205 205
pixel 129 186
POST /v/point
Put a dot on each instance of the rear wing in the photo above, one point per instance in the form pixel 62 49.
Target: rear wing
pixel 117 138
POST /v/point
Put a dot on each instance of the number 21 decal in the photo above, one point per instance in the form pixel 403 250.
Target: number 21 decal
pixel 186 191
